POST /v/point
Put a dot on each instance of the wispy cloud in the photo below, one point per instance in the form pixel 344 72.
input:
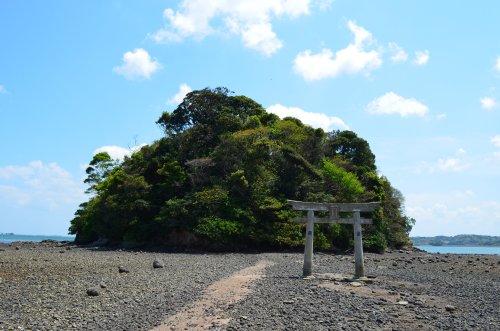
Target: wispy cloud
pixel 488 103
pixel 495 140
pixel 441 116
pixel 454 212
pixel 449 164
pixel 398 54
pixel 39 183
pixel 421 57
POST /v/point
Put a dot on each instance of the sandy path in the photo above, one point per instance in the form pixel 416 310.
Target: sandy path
pixel 208 311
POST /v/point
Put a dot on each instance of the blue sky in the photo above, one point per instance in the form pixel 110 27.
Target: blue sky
pixel 420 80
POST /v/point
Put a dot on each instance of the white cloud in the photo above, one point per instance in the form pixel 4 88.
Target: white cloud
pixel 497 64
pixel 249 19
pixel 421 57
pixel 181 94
pixel 398 54
pixel 488 103
pixel 137 64
pixel 47 185
pixel 2 89
pixel 451 213
pixel 316 120
pixel 118 152
pixel 391 103
pixel 261 37
pixel 495 140
pixel 355 58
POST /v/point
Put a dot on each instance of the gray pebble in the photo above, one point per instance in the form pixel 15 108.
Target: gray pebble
pixel 92 292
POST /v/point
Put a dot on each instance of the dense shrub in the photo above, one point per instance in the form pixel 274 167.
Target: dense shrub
pixel 220 177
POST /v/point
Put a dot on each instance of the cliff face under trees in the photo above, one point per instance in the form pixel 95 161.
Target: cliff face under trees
pixel 220 177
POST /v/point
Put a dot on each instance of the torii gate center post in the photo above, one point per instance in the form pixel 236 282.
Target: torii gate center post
pixel 334 210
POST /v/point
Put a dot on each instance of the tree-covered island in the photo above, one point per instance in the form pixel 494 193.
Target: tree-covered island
pixel 220 177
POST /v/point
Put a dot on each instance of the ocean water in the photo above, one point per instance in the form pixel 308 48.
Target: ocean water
pixel 8 238
pixel 491 250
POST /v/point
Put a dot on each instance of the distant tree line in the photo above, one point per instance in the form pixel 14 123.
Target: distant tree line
pixel 459 240
pixel 220 178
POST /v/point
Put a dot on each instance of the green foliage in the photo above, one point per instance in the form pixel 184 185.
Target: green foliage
pixel 220 177
pixel 288 234
pixel 353 148
pixel 349 188
pixel 99 168
pixel 218 231
pixel 375 242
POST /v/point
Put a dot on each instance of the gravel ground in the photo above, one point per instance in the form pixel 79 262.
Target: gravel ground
pixel 43 286
pixel 409 291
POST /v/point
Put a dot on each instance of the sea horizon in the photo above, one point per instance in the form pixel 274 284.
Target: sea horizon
pixel 8 238
pixel 489 250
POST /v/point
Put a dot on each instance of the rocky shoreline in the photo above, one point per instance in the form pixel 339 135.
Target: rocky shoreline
pixel 52 286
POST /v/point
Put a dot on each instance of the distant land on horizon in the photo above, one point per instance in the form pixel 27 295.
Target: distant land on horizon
pixel 458 240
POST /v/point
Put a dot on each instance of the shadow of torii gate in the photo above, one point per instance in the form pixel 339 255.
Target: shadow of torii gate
pixel 334 210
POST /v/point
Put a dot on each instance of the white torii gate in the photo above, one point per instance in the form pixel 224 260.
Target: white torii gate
pixel 334 210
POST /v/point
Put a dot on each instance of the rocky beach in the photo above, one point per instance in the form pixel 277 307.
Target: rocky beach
pixel 53 286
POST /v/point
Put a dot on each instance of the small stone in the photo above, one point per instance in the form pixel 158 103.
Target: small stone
pixel 103 285
pixel 288 301
pixel 17 248
pixel 92 292
pixel 122 269
pixel 450 308
pixel 157 264
pixel 394 264
pixel 402 303
pixel 356 284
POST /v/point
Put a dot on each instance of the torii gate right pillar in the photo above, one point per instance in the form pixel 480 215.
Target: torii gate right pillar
pixel 359 270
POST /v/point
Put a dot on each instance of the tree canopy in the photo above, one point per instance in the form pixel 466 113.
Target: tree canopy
pixel 220 177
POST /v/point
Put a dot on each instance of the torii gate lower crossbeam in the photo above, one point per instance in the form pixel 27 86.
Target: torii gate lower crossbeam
pixel 334 210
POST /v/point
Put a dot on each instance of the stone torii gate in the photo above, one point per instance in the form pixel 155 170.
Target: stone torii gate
pixel 334 210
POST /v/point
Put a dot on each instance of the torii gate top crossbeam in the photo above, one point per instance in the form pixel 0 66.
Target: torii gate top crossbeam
pixel 343 207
